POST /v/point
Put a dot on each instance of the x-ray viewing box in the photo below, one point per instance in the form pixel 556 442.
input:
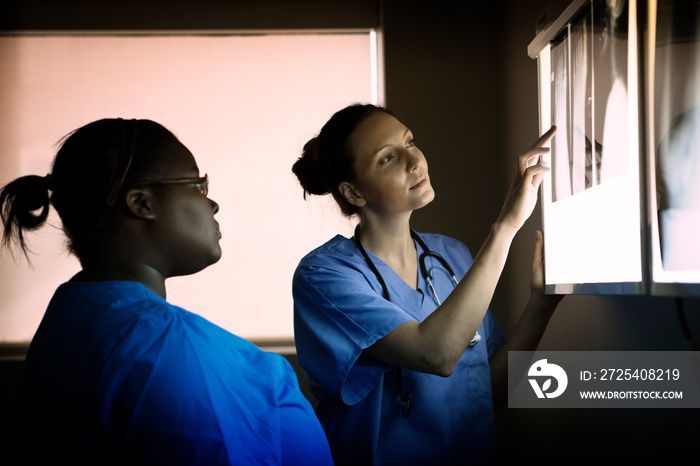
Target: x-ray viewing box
pixel 621 205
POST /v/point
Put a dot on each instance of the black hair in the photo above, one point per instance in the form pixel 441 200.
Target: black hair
pixel 84 172
pixel 327 159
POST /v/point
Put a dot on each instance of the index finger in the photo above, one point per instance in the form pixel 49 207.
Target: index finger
pixel 544 139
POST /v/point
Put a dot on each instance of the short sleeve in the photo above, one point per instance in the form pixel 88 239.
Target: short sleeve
pixel 338 312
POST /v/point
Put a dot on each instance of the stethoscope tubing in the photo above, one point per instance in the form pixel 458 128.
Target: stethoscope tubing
pixel 405 401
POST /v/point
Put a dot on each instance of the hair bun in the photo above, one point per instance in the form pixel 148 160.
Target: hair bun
pixel 307 171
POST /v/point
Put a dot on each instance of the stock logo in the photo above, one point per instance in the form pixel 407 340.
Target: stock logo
pixel 546 372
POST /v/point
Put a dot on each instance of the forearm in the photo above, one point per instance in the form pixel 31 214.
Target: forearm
pixel 526 336
pixel 452 326
pixel 436 344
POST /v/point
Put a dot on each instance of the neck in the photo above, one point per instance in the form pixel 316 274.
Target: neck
pixel 392 243
pixel 141 273
pixel 389 240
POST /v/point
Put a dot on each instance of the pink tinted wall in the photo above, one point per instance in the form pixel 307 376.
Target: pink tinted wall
pixel 244 105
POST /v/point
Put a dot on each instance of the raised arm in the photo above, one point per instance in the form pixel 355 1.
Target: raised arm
pixel 436 344
pixel 530 326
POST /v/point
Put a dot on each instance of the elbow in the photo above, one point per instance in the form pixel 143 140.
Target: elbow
pixel 443 367
pixel 448 368
pixel 444 371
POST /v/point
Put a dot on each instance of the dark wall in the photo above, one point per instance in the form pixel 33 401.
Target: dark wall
pixel 185 14
pixel 458 74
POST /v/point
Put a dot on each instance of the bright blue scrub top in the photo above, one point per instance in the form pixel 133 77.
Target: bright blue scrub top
pixel 117 375
pixel 339 311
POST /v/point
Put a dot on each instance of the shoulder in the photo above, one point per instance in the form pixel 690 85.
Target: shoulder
pixel 340 255
pixel 129 321
pixel 106 308
pixel 157 345
pixel 121 306
pixel 337 248
pixel 444 244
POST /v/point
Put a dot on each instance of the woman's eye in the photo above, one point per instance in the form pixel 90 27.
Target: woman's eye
pixel 410 143
pixel 386 159
pixel 200 187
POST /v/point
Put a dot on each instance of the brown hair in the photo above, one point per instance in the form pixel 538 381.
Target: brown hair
pixel 327 160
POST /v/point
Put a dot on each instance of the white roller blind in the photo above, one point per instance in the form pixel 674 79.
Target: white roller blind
pixel 243 103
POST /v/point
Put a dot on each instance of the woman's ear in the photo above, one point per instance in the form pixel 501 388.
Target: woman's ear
pixel 351 194
pixel 139 202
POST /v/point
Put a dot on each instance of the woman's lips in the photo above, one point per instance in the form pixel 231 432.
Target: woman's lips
pixel 421 182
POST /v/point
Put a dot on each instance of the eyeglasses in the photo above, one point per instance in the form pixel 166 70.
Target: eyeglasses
pixel 202 184
pixel 126 155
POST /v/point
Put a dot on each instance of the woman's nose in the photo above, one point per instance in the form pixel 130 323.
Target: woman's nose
pixel 214 206
pixel 412 160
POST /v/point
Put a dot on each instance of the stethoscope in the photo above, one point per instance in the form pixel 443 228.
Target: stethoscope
pixel 405 401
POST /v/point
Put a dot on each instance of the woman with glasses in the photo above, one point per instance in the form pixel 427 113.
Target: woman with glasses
pixel 115 374
pixel 392 325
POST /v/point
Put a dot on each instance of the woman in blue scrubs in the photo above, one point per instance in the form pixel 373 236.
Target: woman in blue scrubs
pixel 404 374
pixel 115 374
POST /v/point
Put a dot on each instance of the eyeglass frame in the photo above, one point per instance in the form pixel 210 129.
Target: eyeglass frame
pixel 202 183
pixel 126 156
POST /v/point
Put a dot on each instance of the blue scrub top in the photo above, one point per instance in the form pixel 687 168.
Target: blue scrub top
pixel 117 375
pixel 339 310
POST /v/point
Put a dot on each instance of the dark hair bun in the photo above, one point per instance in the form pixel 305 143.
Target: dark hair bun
pixel 307 170
pixel 328 160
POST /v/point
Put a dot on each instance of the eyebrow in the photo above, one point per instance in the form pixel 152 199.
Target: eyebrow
pixel 408 130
